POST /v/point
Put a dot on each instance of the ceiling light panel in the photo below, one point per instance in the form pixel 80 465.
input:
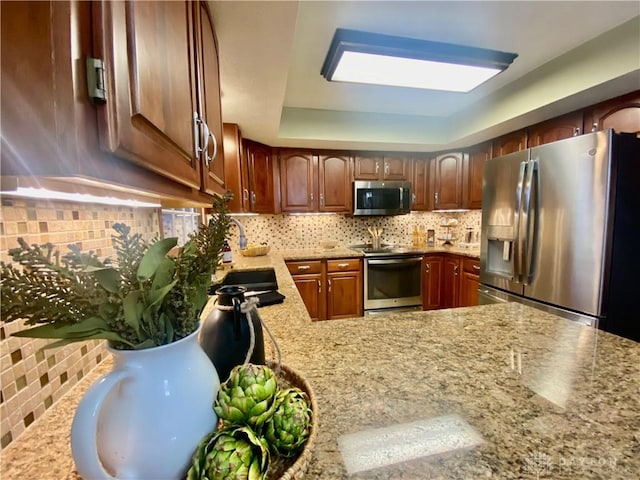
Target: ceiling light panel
pixel 362 57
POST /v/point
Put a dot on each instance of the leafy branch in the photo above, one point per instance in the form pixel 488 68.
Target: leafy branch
pixel 147 298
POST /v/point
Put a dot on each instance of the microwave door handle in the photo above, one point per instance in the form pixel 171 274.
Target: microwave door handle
pixel 529 239
pixel 517 245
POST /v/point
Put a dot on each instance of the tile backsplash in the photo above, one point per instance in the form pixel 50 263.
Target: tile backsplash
pixel 306 231
pixel 33 379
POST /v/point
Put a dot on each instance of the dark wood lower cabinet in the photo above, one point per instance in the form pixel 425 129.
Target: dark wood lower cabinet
pixel 469 282
pixel 449 281
pixel 431 282
pixel 330 289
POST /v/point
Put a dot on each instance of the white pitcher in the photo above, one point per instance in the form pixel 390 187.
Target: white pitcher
pixel 145 418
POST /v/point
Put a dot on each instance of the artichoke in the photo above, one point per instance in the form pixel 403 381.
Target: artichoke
pixel 248 396
pixel 230 453
pixel 289 427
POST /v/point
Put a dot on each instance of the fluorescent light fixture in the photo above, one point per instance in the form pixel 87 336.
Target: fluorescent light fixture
pixel 43 193
pixel 361 57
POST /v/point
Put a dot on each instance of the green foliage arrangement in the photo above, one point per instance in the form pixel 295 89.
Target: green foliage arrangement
pixel 145 298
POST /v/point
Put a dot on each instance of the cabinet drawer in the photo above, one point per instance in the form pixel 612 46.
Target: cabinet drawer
pixel 343 265
pixel 303 267
pixel 471 265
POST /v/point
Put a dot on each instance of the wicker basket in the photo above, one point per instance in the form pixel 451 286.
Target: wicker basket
pixel 255 251
pixel 293 468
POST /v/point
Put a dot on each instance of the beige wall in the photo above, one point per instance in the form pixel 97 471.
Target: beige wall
pixel 33 379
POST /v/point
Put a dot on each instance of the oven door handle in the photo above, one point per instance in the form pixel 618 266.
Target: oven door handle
pixel 395 261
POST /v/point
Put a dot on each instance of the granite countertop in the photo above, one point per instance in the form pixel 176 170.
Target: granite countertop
pixel 497 391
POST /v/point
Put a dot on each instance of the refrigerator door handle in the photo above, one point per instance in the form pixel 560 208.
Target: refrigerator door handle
pixel 530 239
pixel 517 245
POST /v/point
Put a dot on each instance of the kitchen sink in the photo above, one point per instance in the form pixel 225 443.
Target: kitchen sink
pixel 253 280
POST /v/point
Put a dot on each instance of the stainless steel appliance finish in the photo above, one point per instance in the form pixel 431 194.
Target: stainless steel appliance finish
pixel 558 223
pixel 392 281
pixel 381 198
pixel 488 295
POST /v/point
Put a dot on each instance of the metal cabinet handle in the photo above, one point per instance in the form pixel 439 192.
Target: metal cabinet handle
pixel 311 197
pixel 343 265
pixel 329 284
pixel 245 194
pixel 304 267
pixel 455 270
pixel 436 197
pixel 427 268
pixel 576 131
pixel 319 286
pixel 253 198
pixel 413 198
pixel 386 168
pixel 476 267
pixel 594 127
pixel 322 199
pixel 208 160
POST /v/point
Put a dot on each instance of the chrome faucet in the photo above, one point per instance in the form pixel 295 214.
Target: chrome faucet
pixel 243 238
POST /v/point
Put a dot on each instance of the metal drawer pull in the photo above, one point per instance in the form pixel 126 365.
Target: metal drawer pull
pixel 343 265
pixel 476 267
pixel 304 267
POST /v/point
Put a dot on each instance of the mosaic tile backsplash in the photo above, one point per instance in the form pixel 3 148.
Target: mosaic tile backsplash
pixel 307 231
pixel 33 379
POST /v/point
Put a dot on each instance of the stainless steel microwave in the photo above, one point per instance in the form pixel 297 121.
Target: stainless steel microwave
pixel 381 198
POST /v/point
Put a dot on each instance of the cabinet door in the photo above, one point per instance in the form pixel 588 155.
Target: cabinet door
pixel 297 181
pixel 420 184
pixel 334 183
pixel 451 281
pixel 344 294
pixel 311 291
pixel 233 165
pixel 213 180
pixel 367 167
pixel 432 282
pixel 397 168
pixel 472 176
pixel 261 178
pixel 512 142
pixel 469 282
pixel 559 128
pixel 621 113
pixel 148 117
pixel 448 180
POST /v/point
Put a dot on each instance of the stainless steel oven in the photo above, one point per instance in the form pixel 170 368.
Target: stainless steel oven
pixel 392 282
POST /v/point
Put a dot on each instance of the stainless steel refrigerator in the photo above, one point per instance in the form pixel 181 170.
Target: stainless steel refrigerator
pixel 561 230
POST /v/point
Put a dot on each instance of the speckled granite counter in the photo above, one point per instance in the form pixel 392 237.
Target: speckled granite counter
pixel 545 398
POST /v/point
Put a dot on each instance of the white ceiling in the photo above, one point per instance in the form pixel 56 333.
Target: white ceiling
pixel 570 54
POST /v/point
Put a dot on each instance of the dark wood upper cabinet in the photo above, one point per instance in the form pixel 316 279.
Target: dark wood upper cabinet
pixel 420 187
pixel 512 142
pixel 448 185
pixel 620 113
pixel 233 169
pixel 335 179
pixel 368 167
pixel 473 171
pixel 559 128
pixel 382 167
pixel 213 175
pixel 297 180
pixel 260 178
pixel 149 56
pixel 397 167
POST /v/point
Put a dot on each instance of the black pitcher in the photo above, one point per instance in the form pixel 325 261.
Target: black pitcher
pixel 226 336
